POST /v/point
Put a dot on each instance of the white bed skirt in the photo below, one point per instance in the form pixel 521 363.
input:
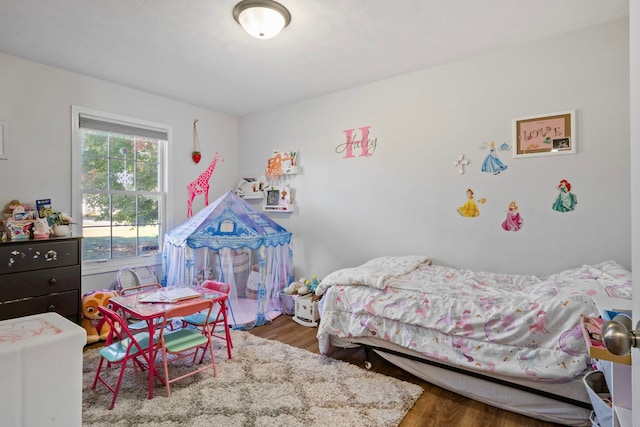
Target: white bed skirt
pixel 485 391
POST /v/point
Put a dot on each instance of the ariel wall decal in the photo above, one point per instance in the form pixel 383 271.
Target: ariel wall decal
pixel 366 145
pixel 566 200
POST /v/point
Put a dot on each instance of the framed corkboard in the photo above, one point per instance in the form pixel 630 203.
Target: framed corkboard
pixel 544 135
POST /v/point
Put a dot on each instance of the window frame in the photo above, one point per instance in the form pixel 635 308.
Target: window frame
pixel 110 265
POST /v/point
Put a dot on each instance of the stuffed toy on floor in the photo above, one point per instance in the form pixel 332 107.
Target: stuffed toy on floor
pixel 93 323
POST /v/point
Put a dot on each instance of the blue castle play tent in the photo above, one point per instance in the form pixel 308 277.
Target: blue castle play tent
pixel 229 241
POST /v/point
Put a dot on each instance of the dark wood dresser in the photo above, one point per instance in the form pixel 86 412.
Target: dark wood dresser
pixel 37 276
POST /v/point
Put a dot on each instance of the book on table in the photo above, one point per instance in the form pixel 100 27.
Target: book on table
pixel 170 295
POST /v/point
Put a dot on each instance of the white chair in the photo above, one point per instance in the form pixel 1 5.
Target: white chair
pixel 134 277
pixel 146 275
pixel 127 278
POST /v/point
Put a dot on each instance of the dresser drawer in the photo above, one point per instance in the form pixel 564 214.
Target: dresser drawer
pixel 65 304
pixel 38 255
pixel 39 282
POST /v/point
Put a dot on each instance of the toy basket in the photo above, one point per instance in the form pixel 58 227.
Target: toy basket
pixel 288 303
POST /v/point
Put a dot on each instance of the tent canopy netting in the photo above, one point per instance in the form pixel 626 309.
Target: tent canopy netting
pixel 231 242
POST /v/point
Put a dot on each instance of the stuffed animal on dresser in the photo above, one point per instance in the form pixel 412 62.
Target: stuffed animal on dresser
pixel 41 229
pixel 92 322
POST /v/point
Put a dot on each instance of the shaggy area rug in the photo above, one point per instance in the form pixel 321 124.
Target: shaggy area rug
pixel 267 383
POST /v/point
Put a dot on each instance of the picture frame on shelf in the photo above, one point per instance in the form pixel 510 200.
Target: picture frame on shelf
pixel 278 199
pixel 283 162
pixel 273 196
pixel 545 135
pixel 289 160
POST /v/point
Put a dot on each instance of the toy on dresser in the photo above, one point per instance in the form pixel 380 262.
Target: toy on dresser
pixel 18 220
pixel 41 229
pixel 93 323
pixel 18 230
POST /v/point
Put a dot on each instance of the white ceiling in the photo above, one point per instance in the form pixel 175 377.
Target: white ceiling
pixel 194 51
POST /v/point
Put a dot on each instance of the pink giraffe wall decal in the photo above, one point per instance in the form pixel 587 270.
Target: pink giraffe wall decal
pixel 201 185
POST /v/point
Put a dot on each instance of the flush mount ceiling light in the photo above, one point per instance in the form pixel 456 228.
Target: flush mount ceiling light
pixel 262 19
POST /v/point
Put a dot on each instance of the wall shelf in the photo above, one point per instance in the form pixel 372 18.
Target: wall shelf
pixel 283 209
pixel 294 170
pixel 255 196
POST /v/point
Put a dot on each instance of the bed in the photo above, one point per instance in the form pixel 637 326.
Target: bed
pixel 511 341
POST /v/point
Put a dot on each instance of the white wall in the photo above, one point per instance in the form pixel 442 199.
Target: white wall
pixel 36 103
pixel 403 199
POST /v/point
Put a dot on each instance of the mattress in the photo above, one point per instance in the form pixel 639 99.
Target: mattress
pixel 563 403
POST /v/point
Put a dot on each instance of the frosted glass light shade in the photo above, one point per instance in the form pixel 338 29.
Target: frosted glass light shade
pixel 263 19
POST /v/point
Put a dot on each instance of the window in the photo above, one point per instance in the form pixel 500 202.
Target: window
pixel 119 174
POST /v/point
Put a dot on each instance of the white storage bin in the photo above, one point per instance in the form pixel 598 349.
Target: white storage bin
pixel 41 371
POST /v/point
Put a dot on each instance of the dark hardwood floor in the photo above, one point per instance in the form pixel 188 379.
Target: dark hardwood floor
pixel 436 406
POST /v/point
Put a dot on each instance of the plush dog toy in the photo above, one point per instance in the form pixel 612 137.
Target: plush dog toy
pixel 97 329
pixel 297 288
pixel 302 287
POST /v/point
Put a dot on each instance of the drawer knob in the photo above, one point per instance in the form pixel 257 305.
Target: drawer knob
pixel 53 281
pixel 51 308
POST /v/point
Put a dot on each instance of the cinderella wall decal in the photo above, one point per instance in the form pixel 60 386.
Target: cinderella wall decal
pixel 492 164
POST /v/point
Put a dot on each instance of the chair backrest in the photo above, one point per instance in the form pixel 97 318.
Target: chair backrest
pixel 187 308
pixel 127 278
pixel 217 286
pixel 146 275
pixel 121 332
pixel 118 327
pixel 141 288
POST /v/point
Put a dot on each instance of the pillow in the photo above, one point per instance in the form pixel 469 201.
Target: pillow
pixel 615 279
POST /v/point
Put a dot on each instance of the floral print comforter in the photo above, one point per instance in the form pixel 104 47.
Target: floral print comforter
pixel 513 325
